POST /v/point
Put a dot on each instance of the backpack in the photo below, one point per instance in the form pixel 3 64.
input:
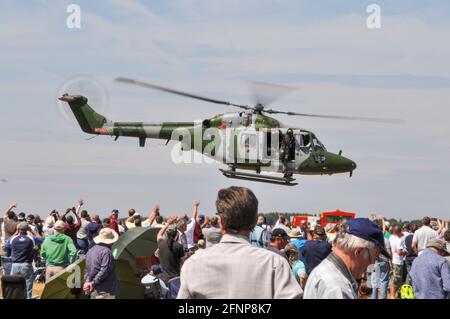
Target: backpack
pixel 406 292
pixel 258 237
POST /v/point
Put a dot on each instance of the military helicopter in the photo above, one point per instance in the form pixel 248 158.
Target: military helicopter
pixel 279 149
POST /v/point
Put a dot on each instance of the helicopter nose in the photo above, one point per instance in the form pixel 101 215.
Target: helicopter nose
pixel 341 163
pixel 348 164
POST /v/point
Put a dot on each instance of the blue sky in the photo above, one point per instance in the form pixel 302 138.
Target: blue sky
pixel 213 47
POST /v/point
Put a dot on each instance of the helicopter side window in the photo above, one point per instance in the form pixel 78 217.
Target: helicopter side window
pixel 303 143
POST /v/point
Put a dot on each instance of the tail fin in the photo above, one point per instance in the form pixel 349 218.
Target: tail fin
pixel 89 120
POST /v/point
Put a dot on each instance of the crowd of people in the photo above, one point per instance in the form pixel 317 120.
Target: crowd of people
pixel 236 254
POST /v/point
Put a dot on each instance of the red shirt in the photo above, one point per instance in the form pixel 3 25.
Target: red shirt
pixel 198 234
pixel 71 230
pixel 113 224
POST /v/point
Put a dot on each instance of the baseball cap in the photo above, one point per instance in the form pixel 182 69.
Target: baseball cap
pixel 319 230
pixel 278 232
pixel 366 229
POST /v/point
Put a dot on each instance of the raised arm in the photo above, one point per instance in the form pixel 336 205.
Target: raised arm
pixel 153 215
pixel 440 226
pixel 205 223
pixel 195 210
pixel 383 224
pixel 11 207
pixel 163 230
pixel 80 204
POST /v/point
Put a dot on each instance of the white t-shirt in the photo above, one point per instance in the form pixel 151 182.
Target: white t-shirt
pixel 422 236
pixel 282 226
pixel 190 233
pixel 396 243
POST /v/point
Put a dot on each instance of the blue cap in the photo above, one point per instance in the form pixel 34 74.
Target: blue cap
pixel 366 229
pixel 202 218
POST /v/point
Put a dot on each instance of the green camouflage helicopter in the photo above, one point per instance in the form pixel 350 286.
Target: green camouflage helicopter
pixel 248 140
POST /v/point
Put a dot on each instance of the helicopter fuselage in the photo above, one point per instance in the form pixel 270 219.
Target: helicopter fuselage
pixel 242 140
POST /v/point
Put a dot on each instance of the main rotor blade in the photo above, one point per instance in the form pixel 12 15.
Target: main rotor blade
pixel 266 93
pixel 337 117
pixel 164 89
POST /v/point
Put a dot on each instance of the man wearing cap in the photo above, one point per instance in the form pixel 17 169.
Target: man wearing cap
pixel 430 272
pixel 316 250
pixel 278 241
pixel 100 278
pixel 22 253
pixel 357 244
pixel 233 268
pixel 58 250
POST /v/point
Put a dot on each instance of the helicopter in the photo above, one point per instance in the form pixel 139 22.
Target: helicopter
pixel 254 146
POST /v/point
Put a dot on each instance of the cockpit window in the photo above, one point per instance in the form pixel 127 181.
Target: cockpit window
pixel 318 146
pixel 302 142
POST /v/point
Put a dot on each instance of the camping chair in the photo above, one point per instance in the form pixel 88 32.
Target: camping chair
pixel 13 287
pixel 174 287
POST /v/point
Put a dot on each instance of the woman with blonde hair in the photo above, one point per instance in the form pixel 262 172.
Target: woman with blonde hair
pixel 297 266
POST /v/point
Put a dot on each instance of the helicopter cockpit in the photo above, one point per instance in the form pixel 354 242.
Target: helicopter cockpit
pixel 305 142
pixel 316 144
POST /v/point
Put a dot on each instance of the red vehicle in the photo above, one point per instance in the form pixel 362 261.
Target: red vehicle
pixel 335 217
pixel 298 220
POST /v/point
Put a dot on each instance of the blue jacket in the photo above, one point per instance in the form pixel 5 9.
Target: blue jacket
pixel 101 269
pixel 430 276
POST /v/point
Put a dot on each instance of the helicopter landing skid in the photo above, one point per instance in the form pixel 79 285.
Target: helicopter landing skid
pixel 287 181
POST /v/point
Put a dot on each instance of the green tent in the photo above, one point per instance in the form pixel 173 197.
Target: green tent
pixel 136 242
pixel 58 287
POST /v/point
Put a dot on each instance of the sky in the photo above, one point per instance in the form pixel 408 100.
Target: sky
pixel 322 48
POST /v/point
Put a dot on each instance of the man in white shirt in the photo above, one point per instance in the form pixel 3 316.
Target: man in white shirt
pixel 423 235
pixel 397 253
pixel 281 224
pixel 190 226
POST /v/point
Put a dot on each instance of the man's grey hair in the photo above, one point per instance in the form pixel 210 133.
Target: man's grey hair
pixel 348 242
